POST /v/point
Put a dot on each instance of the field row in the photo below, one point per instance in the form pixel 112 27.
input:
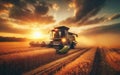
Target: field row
pixel 81 66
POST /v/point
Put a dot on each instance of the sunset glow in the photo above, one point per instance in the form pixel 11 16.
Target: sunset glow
pixel 36 35
pixel 59 37
pixel 34 19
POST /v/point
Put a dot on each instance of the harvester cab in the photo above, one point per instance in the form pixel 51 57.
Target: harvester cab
pixel 61 38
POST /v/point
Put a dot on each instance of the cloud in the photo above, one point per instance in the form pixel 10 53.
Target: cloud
pixel 84 9
pixel 5 26
pixel 115 16
pixel 4 7
pixel 23 12
pixel 101 19
pixel 114 28
pixel 69 21
pixel 29 11
pixel 106 36
pixel 95 20
pixel 55 6
pixel 14 2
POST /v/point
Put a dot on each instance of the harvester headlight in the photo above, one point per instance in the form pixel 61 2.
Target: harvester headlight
pixel 56 29
pixel 64 40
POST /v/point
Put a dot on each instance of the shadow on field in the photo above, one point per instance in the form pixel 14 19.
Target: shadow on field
pixel 100 66
pixel 96 69
pixel 18 65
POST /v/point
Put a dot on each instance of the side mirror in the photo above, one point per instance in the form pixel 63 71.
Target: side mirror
pixel 76 35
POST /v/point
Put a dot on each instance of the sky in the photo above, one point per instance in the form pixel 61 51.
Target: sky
pixel 27 18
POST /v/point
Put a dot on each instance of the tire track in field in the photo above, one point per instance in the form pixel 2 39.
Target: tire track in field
pixel 54 66
pixel 80 66
pixel 18 63
pixel 20 51
pixel 101 66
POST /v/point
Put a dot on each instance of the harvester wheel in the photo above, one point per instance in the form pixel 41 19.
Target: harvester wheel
pixel 58 48
pixel 72 46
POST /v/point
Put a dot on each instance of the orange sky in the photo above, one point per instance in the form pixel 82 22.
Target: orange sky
pixel 35 18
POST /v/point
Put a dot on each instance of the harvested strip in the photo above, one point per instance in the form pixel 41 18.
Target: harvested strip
pixel 81 66
pixel 18 63
pixel 52 67
pixel 113 58
pixel 11 51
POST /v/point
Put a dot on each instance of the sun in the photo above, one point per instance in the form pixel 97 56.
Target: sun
pixel 37 35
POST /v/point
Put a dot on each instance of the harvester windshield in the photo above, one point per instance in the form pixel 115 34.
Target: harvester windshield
pixel 56 34
pixel 59 32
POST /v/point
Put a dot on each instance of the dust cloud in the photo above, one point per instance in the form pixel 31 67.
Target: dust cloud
pixel 102 40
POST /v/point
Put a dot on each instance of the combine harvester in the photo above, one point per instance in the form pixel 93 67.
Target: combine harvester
pixel 61 40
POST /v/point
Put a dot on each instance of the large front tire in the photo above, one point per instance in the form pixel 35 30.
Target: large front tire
pixel 72 46
pixel 59 47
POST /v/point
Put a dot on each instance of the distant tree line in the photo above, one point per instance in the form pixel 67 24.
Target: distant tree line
pixel 11 39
